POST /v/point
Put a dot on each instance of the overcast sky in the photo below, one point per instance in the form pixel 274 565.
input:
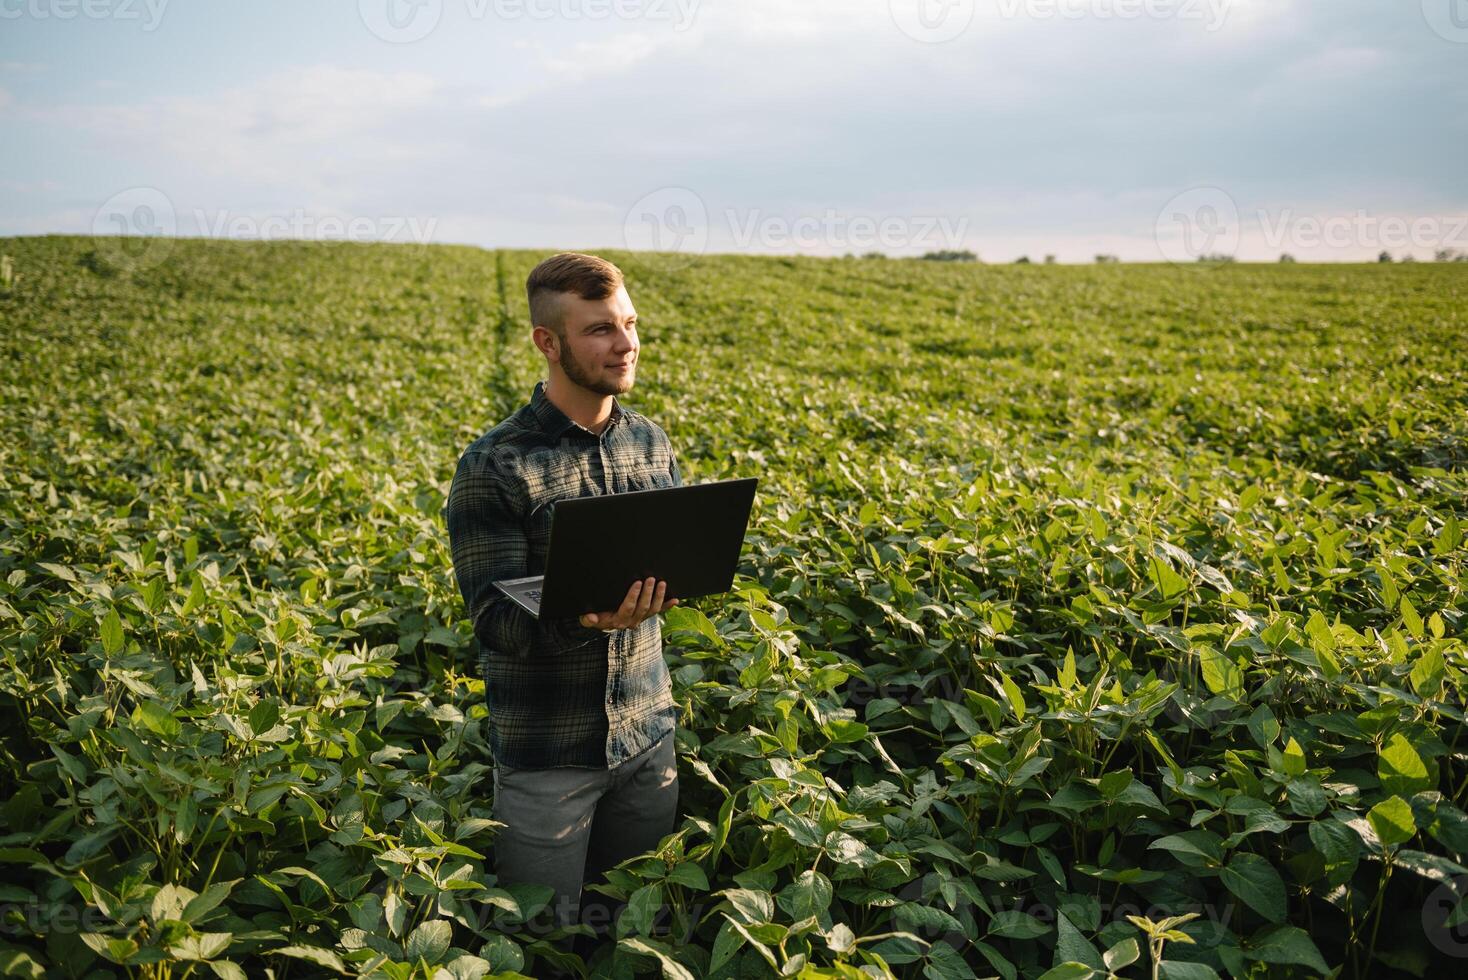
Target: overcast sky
pixel 1149 129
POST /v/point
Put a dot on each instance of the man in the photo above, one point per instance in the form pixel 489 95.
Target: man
pixel 581 713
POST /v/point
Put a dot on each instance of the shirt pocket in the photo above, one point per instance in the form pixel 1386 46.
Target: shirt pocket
pixel 649 480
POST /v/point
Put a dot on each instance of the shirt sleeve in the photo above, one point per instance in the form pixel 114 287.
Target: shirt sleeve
pixel 488 543
pixel 673 472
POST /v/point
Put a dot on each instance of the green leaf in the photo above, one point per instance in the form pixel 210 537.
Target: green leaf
pixel 207 900
pixel 1113 784
pixel 1193 847
pixel 115 949
pixel 1168 582
pixel 843 729
pixel 1255 882
pixel 1014 924
pixel 112 637
pixel 1180 970
pixel 1339 845
pixel 156 718
pixel 430 941
pixel 1427 672
pixel 1069 971
pixel 1411 619
pixel 810 894
pixel 16 962
pixel 690 619
pixel 946 963
pixel 1263 727
pixel 1401 769
pixel 1220 674
pixel 918 916
pixel 311 954
pixel 201 946
pixel 196 597
pixel 1292 759
pixel 1392 820
pixel 503 954
pixel 1013 695
pixel 840 938
pixel 1434 867
pixel 1286 945
pixel 396 911
pixel 1448 538
pixel 728 940
pixel 71 765
pixel 689 874
pixel 1306 797
pixel 752 906
pixel 1071 945
pixel 263 716
pixel 642 907
pixel 1124 953
pixel 672 969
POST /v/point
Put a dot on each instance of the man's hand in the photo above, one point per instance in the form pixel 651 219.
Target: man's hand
pixel 644 600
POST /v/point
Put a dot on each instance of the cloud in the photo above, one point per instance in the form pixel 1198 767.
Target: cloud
pixel 298 128
pixel 561 67
pixel 1333 65
pixel 1058 134
pixel 30 186
pixel 613 54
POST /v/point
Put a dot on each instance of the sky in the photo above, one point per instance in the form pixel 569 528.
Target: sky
pixel 1152 130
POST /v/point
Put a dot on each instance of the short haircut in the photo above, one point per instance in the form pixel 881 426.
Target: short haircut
pixel 586 276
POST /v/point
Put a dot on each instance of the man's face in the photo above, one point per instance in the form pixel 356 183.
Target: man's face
pixel 599 349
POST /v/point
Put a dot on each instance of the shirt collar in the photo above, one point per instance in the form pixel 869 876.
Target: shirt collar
pixel 555 422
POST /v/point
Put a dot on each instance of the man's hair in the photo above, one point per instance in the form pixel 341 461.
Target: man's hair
pixel 587 276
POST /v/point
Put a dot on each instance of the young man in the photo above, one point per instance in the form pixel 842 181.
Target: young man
pixel 581 710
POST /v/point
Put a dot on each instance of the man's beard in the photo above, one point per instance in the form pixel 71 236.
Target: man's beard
pixel 579 376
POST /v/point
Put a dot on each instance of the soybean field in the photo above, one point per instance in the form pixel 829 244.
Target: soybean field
pixel 1094 621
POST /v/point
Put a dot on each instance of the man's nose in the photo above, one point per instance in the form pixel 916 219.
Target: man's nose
pixel 626 340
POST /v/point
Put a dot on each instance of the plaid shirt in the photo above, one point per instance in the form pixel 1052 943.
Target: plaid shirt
pixel 559 693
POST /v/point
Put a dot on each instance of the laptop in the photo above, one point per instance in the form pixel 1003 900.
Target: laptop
pixel 688 536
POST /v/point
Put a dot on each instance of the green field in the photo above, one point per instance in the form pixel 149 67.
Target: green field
pixel 1075 598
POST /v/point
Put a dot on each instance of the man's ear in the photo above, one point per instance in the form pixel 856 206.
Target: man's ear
pixel 545 340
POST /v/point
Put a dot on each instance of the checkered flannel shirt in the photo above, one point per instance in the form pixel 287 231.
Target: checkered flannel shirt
pixel 559 693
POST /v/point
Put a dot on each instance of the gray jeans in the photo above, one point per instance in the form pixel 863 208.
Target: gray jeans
pixel 566 826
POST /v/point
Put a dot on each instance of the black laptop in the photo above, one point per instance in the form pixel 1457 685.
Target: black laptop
pixel 687 536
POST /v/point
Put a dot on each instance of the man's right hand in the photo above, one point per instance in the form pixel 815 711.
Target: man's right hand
pixel 644 600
